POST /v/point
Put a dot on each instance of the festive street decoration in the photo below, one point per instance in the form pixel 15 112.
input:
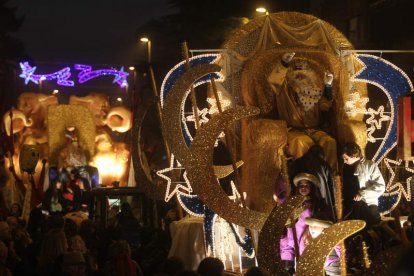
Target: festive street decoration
pixel 224 102
pixel 86 73
pixel 179 185
pixel 202 114
pixel 394 83
pixel 375 123
pixel 62 76
pixel 398 187
pixel 356 104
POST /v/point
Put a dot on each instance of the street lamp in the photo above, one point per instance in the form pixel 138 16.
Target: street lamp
pixel 154 89
pixel 131 68
pixel 55 92
pixel 144 39
pixel 262 10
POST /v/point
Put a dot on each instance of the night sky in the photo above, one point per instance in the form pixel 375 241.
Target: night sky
pixel 88 31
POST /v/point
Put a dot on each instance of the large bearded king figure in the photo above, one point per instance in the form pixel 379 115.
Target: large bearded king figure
pixel 302 97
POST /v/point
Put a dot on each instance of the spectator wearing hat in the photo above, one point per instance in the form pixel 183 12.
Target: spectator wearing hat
pixel 363 184
pixel 307 186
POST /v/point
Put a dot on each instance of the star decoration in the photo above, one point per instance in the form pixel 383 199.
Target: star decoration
pixel 172 179
pixel 27 72
pixel 223 101
pixel 202 114
pixel 398 186
pixel 120 77
pixel 377 123
pixel 356 104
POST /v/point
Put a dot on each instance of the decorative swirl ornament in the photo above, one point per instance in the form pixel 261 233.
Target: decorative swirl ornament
pixel 313 258
pixel 268 253
pixel 141 168
pixel 201 175
pixel 86 73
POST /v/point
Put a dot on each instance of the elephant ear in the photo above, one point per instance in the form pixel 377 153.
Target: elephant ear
pixel 19 121
pixel 119 119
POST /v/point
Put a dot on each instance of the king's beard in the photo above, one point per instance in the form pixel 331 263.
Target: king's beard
pixel 306 86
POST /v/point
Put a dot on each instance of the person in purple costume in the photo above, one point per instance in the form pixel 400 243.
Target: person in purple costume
pixel 307 185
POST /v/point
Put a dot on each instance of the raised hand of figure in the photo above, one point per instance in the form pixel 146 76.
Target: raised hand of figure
pixel 328 78
pixel 286 58
pixel 357 197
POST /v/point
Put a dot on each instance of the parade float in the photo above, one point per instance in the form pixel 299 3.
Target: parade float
pixel 231 205
pixel 44 136
pixel 239 112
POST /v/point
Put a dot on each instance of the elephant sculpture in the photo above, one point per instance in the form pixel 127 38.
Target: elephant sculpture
pixel 97 103
pixel 20 121
pixel 117 118
pixel 34 106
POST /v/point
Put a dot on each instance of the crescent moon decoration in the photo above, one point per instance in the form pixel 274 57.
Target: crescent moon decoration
pixel 201 175
pixel 223 171
pixel 313 258
pixel 179 69
pixel 388 202
pixel 177 72
pixel 171 114
pixel 268 252
pixel 191 204
pixel 393 82
pixel 141 168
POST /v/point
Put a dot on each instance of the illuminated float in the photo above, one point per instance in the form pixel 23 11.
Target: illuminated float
pixel 240 71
